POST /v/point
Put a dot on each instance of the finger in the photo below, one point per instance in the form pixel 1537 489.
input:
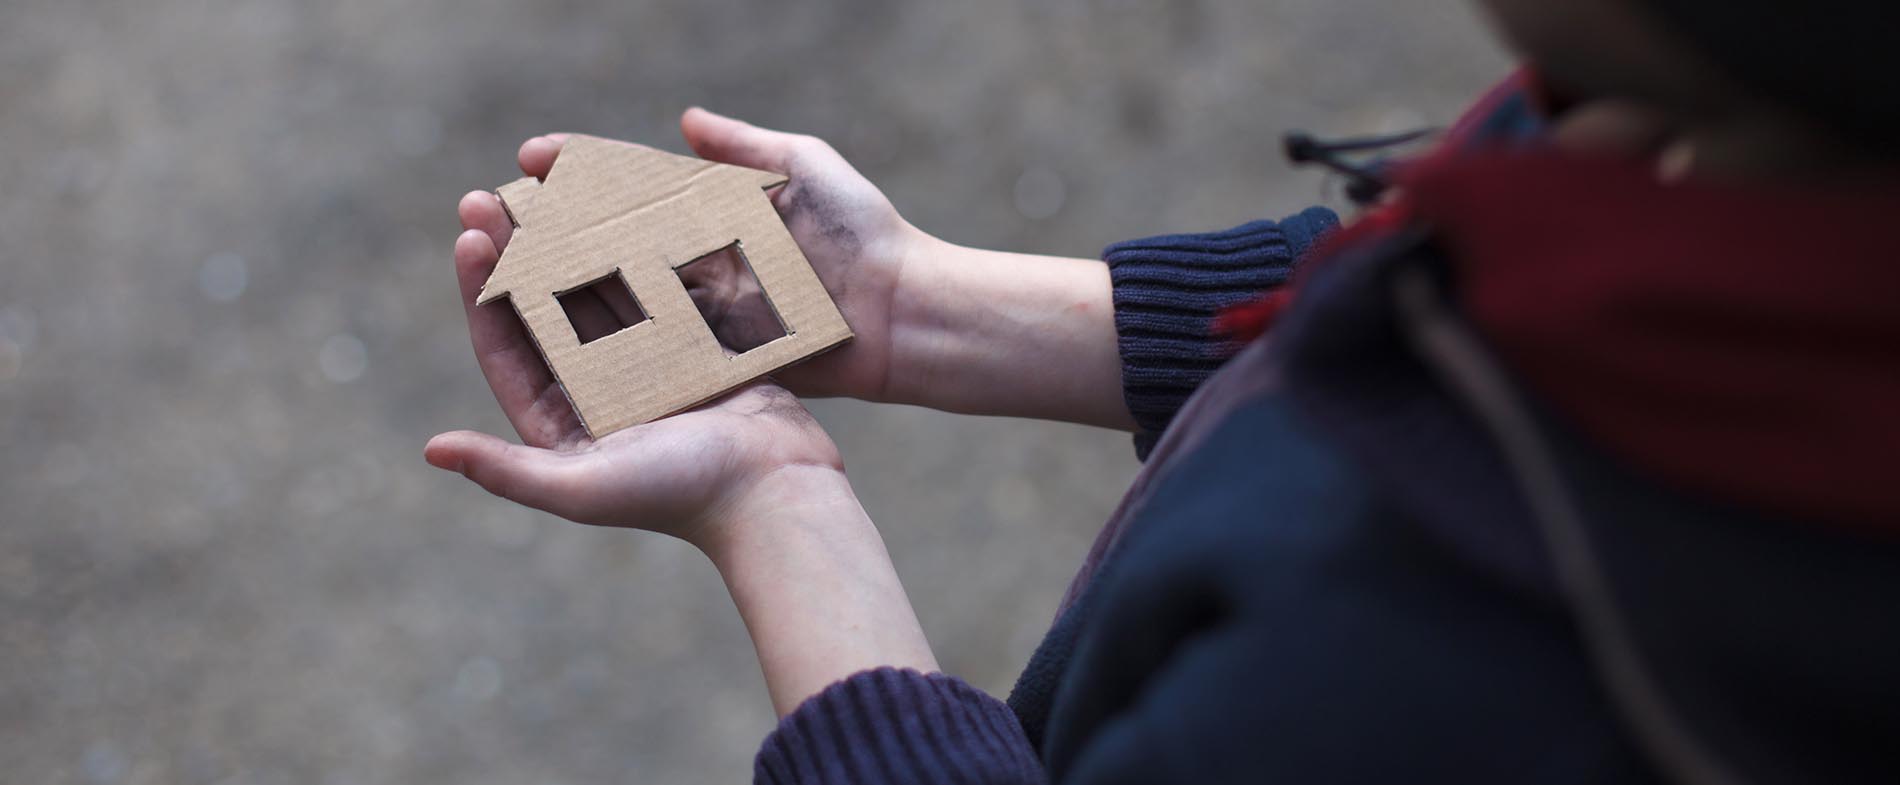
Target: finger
pixel 716 137
pixel 482 211
pixel 542 479
pixel 537 155
pixel 507 356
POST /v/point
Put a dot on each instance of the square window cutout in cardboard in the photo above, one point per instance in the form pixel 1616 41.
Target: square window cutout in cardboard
pixel 616 213
pixel 601 308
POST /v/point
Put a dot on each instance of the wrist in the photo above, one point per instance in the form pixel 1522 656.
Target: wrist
pixel 814 584
pixel 996 333
pixel 804 497
pixel 934 302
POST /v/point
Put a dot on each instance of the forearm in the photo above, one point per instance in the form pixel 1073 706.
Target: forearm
pixel 994 333
pixel 815 586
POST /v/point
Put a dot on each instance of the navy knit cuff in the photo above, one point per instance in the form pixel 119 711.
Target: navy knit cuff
pixel 898 727
pixel 1168 291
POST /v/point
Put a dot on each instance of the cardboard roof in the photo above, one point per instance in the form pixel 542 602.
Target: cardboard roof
pixel 620 182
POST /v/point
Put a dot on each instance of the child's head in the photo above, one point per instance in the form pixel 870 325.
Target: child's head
pixel 1784 72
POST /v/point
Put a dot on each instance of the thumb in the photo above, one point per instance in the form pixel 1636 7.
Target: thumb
pixel 542 479
pixel 716 137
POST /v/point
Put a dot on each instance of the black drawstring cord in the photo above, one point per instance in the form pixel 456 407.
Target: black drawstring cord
pixel 1364 184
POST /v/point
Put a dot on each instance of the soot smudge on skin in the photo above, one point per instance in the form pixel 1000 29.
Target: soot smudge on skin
pixel 829 216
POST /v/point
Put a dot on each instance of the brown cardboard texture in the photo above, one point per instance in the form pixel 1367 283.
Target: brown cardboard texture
pixel 610 209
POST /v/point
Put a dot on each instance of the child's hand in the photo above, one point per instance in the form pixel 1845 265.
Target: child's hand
pixel 750 479
pixel 936 325
pixel 673 476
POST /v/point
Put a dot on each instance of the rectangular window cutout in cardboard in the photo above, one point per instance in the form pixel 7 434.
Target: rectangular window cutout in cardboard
pixel 730 298
pixel 601 308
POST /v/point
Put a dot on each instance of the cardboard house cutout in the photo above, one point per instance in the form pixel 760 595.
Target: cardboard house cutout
pixel 619 214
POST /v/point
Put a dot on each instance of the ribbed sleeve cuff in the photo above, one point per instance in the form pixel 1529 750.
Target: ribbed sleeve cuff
pixel 899 727
pixel 1168 291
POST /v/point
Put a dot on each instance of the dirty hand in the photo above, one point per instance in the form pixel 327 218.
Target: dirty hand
pixel 938 325
pixel 750 479
pixel 676 476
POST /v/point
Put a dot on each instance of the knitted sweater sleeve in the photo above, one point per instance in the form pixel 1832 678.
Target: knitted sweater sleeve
pixel 1168 291
pixel 898 727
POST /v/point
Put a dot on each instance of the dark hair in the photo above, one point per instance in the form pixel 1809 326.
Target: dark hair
pixel 1832 61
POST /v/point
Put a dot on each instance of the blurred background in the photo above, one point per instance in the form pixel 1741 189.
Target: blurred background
pixel 228 323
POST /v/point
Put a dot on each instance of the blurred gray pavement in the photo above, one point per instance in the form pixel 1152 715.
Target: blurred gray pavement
pixel 228 323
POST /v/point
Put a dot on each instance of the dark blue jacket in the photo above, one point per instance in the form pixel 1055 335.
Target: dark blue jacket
pixel 1361 552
